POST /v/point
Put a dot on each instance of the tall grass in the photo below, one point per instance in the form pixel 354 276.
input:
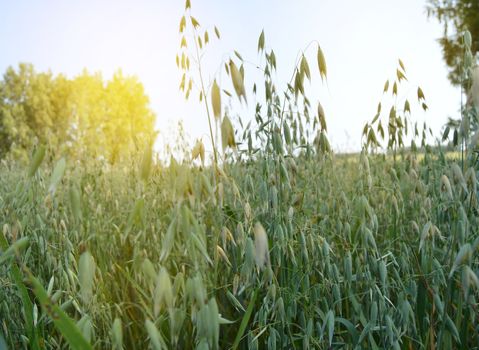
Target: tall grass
pixel 278 243
pixel 381 257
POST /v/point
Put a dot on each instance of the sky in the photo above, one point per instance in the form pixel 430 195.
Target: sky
pixel 362 41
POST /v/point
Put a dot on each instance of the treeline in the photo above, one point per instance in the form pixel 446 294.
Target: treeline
pixel 84 117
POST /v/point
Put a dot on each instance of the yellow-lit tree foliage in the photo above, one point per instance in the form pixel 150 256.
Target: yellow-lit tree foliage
pixel 84 117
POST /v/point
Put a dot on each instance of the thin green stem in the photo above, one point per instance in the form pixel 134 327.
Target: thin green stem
pixel 203 90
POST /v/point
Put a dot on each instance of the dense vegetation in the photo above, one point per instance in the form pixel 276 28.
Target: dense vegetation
pixel 272 242
pixel 362 252
pixel 456 16
pixel 84 116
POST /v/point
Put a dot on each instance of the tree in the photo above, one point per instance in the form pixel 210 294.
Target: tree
pixel 129 118
pixel 29 110
pixel 456 16
pixel 109 119
pixel 85 117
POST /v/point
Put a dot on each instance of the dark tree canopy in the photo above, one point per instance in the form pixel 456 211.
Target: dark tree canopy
pixel 456 16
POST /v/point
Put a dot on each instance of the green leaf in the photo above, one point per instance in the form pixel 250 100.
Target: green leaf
pixel 467 38
pixel 3 343
pixel 245 320
pixel 86 274
pixel 156 339
pixel 75 202
pixel 57 175
pixel 62 322
pixel 452 328
pixel 31 330
pixel 15 248
pixel 330 326
pixel 350 327
pixel 37 159
pixel 117 334
pixel 464 253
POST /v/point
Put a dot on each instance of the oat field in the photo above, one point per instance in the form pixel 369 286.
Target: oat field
pixel 260 237
pixel 299 252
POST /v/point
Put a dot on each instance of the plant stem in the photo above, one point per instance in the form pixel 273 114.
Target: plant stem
pixel 206 102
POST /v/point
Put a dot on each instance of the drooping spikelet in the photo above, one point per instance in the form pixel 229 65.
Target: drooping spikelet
pixel 261 246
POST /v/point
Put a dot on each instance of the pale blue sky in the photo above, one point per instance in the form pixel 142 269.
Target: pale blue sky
pixel 362 41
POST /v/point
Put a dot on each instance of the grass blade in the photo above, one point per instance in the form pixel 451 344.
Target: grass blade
pixel 245 320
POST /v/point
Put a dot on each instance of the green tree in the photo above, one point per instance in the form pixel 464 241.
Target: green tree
pixel 456 16
pixel 110 119
pixel 85 117
pixel 86 103
pixel 129 122
pixel 30 110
